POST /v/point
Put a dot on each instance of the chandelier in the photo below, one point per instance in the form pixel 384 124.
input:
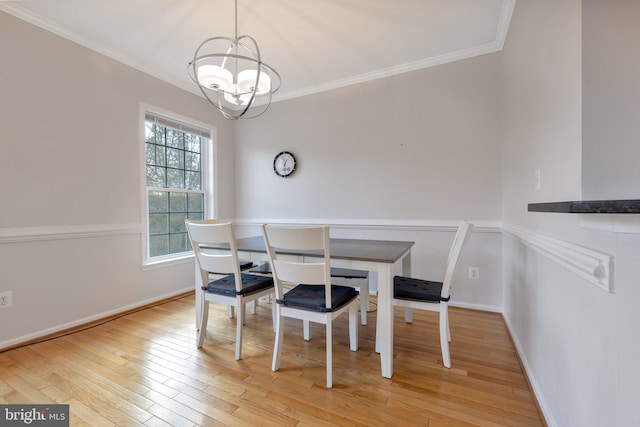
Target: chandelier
pixel 232 76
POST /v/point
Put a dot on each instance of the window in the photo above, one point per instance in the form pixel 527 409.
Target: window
pixel 177 183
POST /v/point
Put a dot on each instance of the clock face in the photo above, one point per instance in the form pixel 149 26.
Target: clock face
pixel 284 164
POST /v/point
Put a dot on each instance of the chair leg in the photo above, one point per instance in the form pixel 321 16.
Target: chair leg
pixel 239 323
pixel 378 337
pixel 230 311
pixel 274 313
pixel 353 327
pixel 444 338
pixel 306 330
pixel 408 315
pixel 254 303
pixel 204 315
pixel 364 303
pixel 277 348
pixel 200 299
pixel 329 354
pixel 446 315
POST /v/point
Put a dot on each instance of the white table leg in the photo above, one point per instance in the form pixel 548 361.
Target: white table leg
pixel 406 265
pixel 384 322
pixel 199 297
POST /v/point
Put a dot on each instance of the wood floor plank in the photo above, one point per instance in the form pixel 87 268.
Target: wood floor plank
pixel 144 369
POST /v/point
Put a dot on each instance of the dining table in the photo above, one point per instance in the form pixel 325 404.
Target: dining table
pixel 387 258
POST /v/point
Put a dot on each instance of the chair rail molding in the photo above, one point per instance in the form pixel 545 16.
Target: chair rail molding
pixel 31 234
pixel 376 224
pixel 595 266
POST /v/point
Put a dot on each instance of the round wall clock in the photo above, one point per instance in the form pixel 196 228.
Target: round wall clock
pixel 284 164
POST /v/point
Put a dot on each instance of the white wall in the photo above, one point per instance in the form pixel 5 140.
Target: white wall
pixel 421 145
pixel 70 202
pixel 610 115
pixel 578 342
pixel 381 154
pixel 404 158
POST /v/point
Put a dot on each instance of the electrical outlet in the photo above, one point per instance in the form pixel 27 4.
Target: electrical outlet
pixel 474 273
pixel 6 299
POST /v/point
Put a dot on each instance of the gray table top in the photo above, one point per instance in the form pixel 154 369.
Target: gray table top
pixel 387 251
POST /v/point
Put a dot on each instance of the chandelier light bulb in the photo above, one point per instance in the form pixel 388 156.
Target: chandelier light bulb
pixel 247 80
pixel 214 77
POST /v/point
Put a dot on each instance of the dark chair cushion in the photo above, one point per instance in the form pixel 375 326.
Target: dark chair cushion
pixel 346 273
pixel 250 283
pixel 311 297
pixel 417 289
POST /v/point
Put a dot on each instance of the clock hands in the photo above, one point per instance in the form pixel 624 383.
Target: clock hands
pixel 284 164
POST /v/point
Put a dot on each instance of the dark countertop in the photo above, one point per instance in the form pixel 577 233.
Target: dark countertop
pixel 589 207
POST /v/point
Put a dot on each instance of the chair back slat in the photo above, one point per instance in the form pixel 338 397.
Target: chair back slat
pixel 212 232
pixel 202 232
pixel 282 238
pixel 296 238
pixel 301 272
pixel 216 263
pixel 464 230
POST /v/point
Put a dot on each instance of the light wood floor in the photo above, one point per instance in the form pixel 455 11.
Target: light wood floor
pixel 144 369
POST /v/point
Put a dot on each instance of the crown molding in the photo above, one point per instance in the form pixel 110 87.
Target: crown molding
pixel 500 37
pixel 13 8
pixel 506 12
pixel 391 71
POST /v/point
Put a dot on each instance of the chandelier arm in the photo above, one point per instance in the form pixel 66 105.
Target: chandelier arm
pixel 264 110
pixel 255 44
pixel 224 61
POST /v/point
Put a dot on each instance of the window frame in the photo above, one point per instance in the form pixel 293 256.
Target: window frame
pixel 209 181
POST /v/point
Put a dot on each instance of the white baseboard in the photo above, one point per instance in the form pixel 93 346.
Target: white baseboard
pixel 480 307
pixel 544 406
pixel 90 319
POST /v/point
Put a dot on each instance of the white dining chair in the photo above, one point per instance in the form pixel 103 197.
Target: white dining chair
pixel 313 298
pixel 358 279
pixel 235 288
pixel 433 296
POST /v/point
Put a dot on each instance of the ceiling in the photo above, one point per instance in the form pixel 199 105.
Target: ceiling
pixel 315 45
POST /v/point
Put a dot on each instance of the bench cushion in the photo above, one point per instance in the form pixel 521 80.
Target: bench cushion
pixel 417 289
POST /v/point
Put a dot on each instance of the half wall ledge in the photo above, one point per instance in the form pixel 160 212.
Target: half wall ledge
pixel 589 207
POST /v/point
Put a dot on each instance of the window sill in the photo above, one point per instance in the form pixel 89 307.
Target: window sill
pixel 167 262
